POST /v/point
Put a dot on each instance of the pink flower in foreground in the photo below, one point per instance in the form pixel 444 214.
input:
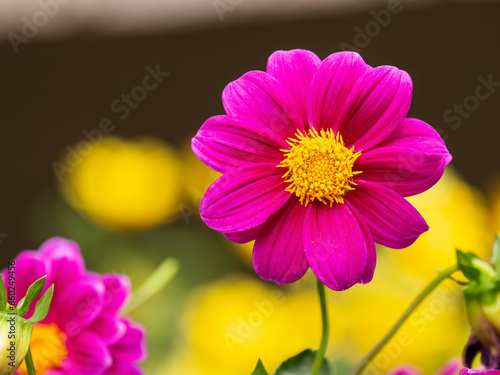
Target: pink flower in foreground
pixel 316 158
pixel 84 333
pixel 467 371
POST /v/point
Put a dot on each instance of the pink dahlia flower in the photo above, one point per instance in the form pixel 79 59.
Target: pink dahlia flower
pixel 83 334
pixel 317 157
pixel 467 371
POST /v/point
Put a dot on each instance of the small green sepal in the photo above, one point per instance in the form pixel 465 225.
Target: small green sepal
pixel 259 369
pixel 33 291
pixel 42 306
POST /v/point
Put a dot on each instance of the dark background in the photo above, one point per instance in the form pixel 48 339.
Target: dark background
pixel 52 90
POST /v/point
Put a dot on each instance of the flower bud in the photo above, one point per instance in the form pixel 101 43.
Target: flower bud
pixel 15 335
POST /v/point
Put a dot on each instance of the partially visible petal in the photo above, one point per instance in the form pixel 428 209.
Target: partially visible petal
pixel 109 328
pixel 87 355
pixel 124 369
pixel 244 198
pixel 393 221
pixel 406 370
pixel 377 104
pixel 223 143
pixel 118 290
pixel 450 368
pixel 132 346
pixel 336 246
pixel 330 88
pixel 278 253
pixel 294 70
pixel 257 97
pixel 79 305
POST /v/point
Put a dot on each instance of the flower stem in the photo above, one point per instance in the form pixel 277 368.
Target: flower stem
pixel 155 282
pixel 29 363
pixel 326 330
pixel 423 294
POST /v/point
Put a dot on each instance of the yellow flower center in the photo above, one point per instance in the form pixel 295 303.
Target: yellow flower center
pixel 319 167
pixel 48 348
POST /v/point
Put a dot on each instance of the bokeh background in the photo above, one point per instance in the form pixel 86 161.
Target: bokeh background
pixel 93 152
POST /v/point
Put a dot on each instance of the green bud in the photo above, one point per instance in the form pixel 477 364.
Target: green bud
pixel 15 335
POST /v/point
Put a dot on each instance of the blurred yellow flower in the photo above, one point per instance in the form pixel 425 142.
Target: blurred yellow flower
pixel 237 320
pixel 126 184
pixel 458 218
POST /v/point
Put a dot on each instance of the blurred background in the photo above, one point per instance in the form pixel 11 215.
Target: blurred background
pixel 99 101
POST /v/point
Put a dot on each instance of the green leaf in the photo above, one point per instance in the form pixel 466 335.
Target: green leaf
pixel 464 261
pixel 33 291
pixel 42 306
pixel 259 369
pixel 302 364
pixel 496 253
pixel 3 295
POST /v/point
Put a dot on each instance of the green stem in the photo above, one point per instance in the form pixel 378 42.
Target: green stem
pixel 155 282
pixel 377 348
pixel 326 330
pixel 29 363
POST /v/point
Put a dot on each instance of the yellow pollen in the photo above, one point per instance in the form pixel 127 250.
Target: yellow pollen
pixel 319 167
pixel 48 348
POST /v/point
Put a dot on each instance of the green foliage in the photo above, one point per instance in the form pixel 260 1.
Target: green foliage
pixel 42 306
pixel 33 291
pixel 3 295
pixel 302 364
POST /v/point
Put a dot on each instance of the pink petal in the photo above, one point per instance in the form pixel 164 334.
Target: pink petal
pixel 79 305
pixel 132 346
pixel 393 221
pixel 244 198
pixel 406 370
pixel 376 106
pixel 223 143
pixel 109 328
pixel 66 263
pixel 330 88
pixel 118 290
pixel 336 246
pixel 87 355
pixel 244 236
pixel 411 161
pixel 451 367
pixel 278 254
pixel 124 369
pixel 257 97
pixel 294 70
pixel 371 260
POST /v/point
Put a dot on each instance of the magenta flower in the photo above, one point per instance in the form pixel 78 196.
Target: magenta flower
pixel 84 333
pixel 466 371
pixel 316 158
